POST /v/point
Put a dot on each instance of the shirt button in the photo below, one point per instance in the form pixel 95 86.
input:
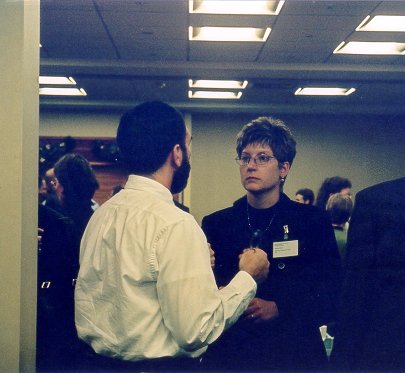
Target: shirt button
pixel 281 265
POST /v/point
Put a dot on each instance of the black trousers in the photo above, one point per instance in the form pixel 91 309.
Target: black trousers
pixel 92 362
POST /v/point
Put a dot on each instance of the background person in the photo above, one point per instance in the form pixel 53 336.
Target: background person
pixel 280 330
pixel 146 298
pixel 370 333
pixel 56 335
pixel 332 185
pixel 51 199
pixel 305 196
pixel 340 209
pixel 75 185
pixel 42 190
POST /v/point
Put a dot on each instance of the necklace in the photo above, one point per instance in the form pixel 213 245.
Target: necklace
pixel 250 225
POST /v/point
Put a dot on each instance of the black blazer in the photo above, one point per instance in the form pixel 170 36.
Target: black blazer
pixel 370 334
pixel 56 332
pixel 305 287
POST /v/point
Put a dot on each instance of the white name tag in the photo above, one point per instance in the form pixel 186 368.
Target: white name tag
pixel 284 249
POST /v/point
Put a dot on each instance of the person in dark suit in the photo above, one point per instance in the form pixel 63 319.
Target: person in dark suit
pixel 370 334
pixel 280 330
pixel 56 272
pixel 75 183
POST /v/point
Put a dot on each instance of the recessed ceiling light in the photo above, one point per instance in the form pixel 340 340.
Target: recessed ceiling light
pixel 62 92
pixel 324 91
pixel 224 84
pixel 228 33
pixel 56 80
pixel 235 7
pixel 383 23
pixel 215 95
pixel 372 47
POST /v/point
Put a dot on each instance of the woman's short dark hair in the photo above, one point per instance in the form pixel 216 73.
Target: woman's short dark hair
pixel 268 131
pixel 331 185
pixel 77 178
pixel 146 135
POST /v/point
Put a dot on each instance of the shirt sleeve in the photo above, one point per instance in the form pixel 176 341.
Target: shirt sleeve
pixel 194 310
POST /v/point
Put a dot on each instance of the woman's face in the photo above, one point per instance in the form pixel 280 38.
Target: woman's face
pixel 262 178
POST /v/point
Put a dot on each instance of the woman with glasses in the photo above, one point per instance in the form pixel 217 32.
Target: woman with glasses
pixel 280 329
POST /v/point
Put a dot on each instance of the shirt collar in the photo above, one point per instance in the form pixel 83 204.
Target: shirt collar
pixel 147 184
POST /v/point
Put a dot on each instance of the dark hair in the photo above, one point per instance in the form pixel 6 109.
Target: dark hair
pixel 307 195
pixel 340 208
pixel 147 134
pixel 330 186
pixel 268 131
pixel 77 178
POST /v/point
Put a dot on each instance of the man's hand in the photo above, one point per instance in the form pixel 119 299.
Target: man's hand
pixel 254 262
pixel 261 310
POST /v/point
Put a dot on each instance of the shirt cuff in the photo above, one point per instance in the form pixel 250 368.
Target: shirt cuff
pixel 244 281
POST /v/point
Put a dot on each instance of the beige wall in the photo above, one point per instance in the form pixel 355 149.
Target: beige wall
pixel 80 124
pixel 19 61
pixel 366 150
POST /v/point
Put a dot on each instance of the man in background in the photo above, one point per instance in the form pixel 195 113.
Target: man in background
pixel 370 334
pixel 146 297
pixel 340 207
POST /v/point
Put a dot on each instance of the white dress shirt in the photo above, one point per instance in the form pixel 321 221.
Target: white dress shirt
pixel 145 288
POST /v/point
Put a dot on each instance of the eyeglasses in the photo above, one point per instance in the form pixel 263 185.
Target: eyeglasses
pixel 259 160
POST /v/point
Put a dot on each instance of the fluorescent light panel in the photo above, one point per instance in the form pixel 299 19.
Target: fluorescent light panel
pixel 373 47
pixel 62 92
pixel 228 33
pixel 215 95
pixel 221 84
pixel 383 23
pixel 324 91
pixel 235 7
pixel 61 80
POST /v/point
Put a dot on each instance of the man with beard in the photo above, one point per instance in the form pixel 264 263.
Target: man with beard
pixel 146 297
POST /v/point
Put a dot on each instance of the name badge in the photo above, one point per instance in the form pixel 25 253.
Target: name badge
pixel 284 249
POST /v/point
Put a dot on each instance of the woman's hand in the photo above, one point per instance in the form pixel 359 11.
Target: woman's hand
pixel 261 310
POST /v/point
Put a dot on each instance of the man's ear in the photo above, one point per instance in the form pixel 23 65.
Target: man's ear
pixel 177 156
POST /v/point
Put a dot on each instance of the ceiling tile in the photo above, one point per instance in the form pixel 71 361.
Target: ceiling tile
pixel 325 8
pixel 162 50
pixel 224 52
pixel 142 6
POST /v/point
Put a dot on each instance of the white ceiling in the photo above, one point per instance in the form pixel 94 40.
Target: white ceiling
pixel 123 52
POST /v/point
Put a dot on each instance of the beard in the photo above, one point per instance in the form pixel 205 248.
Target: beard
pixel 180 177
